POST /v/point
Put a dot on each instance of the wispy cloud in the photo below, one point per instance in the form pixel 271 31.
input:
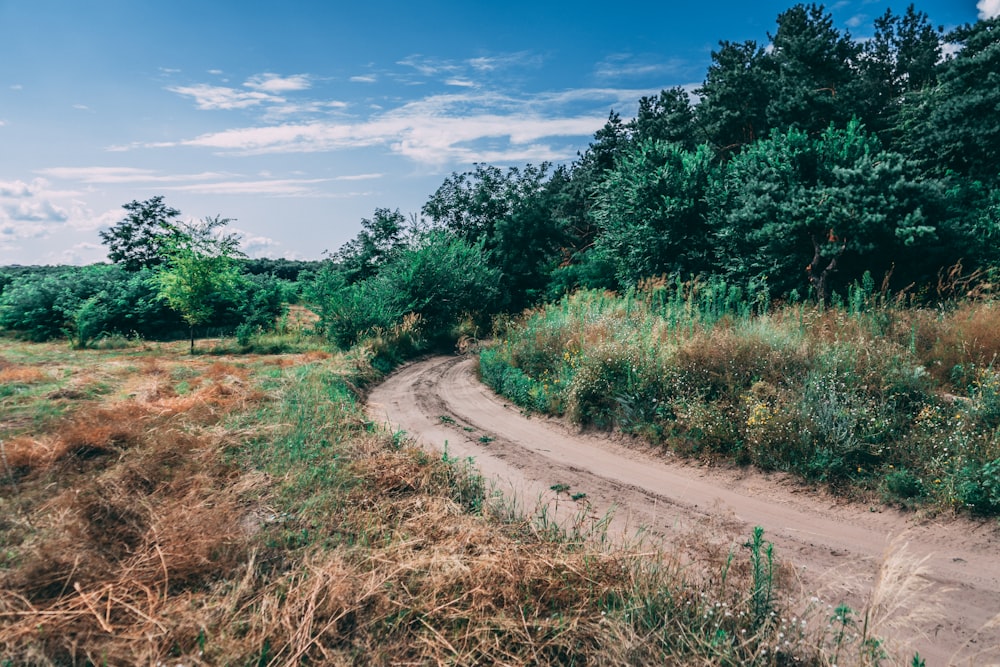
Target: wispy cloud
pixel 430 66
pixel 364 78
pixel 272 187
pixel 260 89
pixel 464 72
pixel 630 66
pixel 856 20
pixel 458 127
pixel 35 211
pixel 273 83
pixel 988 9
pixel 358 177
pixel 211 98
pixel 123 175
pixel 505 61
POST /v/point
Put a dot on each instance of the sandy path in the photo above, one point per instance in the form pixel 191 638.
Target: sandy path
pixel 836 548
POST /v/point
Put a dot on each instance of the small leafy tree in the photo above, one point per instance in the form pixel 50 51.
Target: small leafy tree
pixel 141 238
pixel 200 266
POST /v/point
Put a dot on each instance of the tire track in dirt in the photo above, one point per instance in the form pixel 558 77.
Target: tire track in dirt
pixel 836 548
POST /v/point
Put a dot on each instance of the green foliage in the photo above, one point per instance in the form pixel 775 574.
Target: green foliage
pixel 436 280
pixel 762 583
pixel 809 71
pixel 512 216
pixel 200 267
pixel 141 238
pixel 652 211
pixel 734 97
pixel 791 207
pixel 953 126
pixel 382 238
pixel 839 396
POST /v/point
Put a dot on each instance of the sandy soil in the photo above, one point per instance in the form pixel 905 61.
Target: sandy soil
pixel 937 579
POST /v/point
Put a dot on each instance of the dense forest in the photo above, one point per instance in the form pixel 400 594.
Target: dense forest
pixel 803 164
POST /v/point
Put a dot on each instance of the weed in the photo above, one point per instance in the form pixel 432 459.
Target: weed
pixel 860 397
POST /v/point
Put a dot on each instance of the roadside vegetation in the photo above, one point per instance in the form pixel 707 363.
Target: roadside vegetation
pixel 875 400
pixel 160 508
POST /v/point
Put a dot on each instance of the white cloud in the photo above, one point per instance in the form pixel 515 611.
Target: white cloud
pixel 16 189
pixel 272 187
pixel 81 253
pixel 358 177
pixel 462 83
pixel 492 63
pixel 429 66
pixel 856 20
pixel 2 122
pixel 255 245
pixel 84 220
pixel 14 230
pixel 364 78
pixel 273 83
pixel 463 127
pixel 17 86
pixel 223 98
pixel 988 9
pixel 949 49
pixel 122 175
pixel 216 72
pixel 627 65
pixel 43 211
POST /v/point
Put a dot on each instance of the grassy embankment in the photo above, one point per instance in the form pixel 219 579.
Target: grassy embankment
pixel 160 508
pixel 877 401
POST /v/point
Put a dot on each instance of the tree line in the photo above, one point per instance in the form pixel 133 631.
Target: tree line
pixel 798 167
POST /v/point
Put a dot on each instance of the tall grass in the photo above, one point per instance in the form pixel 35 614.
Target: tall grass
pixel 868 396
pixel 242 510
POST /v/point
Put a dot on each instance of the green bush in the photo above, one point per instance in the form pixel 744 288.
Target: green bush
pixel 438 279
pixel 799 389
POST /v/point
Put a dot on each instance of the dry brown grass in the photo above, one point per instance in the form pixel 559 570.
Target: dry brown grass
pixel 143 533
pixel 969 335
pixel 129 517
pixel 22 375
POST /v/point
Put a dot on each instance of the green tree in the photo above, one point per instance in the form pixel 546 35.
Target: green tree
pixel 653 213
pixel 812 79
pixel 734 96
pixel 200 266
pixel 668 117
pixel 141 238
pixel 510 215
pixel 800 211
pixel 381 238
pixel 438 278
pixel 955 125
pixel 899 60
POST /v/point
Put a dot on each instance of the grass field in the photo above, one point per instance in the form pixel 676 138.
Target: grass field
pixel 161 508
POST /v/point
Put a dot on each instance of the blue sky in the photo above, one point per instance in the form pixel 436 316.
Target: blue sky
pixel 299 118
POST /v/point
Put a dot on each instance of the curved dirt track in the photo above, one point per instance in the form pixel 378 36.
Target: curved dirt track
pixel 837 549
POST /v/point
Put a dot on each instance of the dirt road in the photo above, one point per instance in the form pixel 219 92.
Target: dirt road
pixel 951 613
